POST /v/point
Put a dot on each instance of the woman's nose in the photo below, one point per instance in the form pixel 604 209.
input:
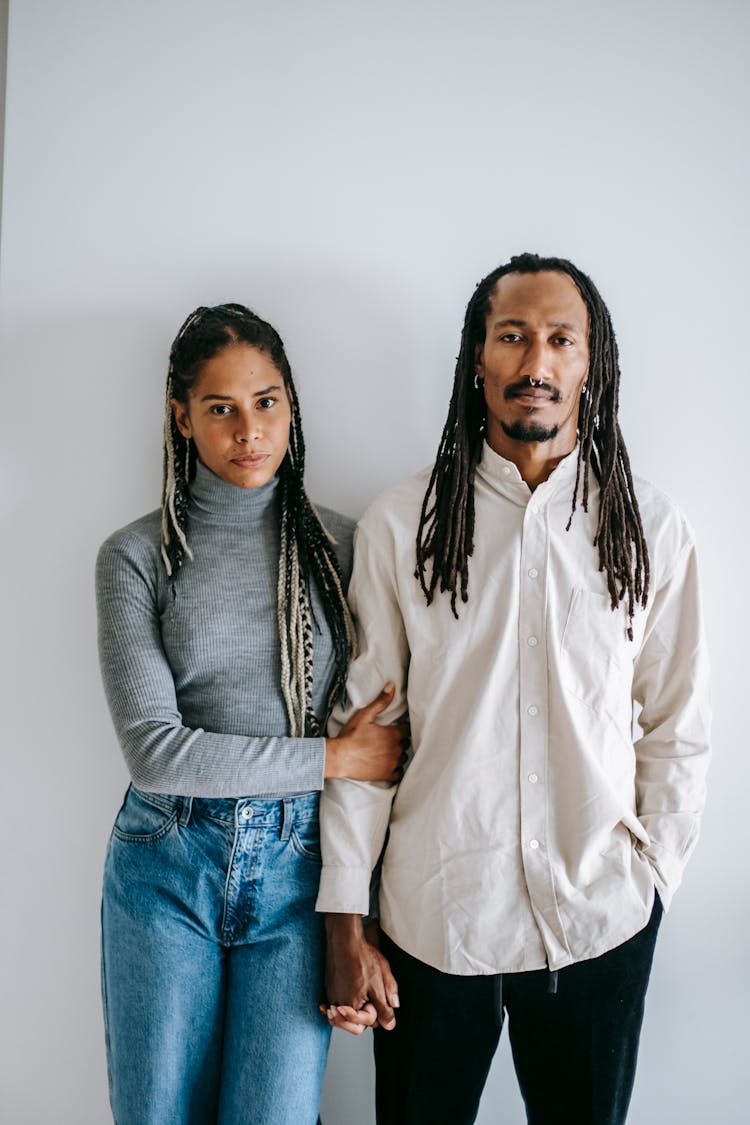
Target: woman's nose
pixel 247 426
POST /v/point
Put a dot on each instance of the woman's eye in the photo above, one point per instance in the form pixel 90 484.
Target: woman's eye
pixel 221 408
pixel 266 403
pixel 510 337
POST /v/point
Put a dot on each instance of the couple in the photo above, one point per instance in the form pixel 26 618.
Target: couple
pixel 516 600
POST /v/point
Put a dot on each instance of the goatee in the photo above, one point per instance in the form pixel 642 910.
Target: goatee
pixel 530 431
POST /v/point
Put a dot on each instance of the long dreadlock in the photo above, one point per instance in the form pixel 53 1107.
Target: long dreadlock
pixel 306 549
pixel 446 525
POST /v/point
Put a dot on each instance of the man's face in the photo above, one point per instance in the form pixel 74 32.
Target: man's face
pixel 534 360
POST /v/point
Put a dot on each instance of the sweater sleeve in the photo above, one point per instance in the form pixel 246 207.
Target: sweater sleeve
pixel 161 753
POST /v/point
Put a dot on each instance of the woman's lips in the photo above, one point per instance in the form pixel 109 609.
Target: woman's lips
pixel 251 461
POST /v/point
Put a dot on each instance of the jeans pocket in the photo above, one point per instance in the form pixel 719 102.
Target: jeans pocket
pixel 144 817
pixel 305 839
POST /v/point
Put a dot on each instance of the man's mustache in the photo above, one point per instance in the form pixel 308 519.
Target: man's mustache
pixel 527 383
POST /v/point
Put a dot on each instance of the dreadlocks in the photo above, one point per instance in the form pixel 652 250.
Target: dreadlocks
pixel 446 525
pixel 306 549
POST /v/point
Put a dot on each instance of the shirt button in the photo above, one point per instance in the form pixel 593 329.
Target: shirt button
pixel 533 844
pixel 247 812
pixel 532 642
pixel 533 709
pixel 533 778
pixel 533 509
pixel 533 572
pixel 507 470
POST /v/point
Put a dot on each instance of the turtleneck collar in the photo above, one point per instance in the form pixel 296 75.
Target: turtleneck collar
pixel 503 476
pixel 213 500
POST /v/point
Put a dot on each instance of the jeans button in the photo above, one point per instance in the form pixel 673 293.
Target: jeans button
pixel 247 812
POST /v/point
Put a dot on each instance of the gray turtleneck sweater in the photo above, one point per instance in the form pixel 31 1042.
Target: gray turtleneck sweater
pixel 192 669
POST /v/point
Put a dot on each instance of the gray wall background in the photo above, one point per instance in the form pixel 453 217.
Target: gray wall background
pixel 351 170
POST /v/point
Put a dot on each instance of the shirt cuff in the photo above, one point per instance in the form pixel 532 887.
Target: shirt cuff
pixel 344 890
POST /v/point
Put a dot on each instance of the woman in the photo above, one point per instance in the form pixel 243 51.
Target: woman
pixel 224 638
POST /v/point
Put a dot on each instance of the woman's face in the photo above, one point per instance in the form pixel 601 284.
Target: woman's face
pixel 238 414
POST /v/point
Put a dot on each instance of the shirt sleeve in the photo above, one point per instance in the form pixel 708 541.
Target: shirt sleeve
pixel 354 815
pixel 671 685
pixel 163 755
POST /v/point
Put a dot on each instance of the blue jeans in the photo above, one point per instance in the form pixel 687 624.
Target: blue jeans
pixel 212 961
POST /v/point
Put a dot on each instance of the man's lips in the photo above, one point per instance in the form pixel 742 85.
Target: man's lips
pixel 533 396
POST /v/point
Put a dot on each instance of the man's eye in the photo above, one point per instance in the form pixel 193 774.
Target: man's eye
pixel 563 340
pixel 266 403
pixel 510 337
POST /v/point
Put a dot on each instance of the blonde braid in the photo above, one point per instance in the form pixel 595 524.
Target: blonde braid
pixel 169 517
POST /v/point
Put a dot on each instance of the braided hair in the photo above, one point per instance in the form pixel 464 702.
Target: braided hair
pixel 446 525
pixel 306 549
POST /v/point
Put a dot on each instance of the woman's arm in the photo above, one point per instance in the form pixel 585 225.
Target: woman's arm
pixel 165 756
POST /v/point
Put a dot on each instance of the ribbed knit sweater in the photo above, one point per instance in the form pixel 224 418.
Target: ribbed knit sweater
pixel 191 668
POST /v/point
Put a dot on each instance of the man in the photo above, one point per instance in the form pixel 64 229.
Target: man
pixel 532 843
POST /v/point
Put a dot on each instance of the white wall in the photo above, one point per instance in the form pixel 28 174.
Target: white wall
pixel 351 170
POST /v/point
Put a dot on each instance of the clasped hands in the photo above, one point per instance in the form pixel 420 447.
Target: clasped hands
pixel 360 986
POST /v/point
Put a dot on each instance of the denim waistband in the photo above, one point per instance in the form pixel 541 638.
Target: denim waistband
pixel 257 812
pixel 245 812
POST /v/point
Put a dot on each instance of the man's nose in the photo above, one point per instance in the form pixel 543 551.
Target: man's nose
pixel 536 362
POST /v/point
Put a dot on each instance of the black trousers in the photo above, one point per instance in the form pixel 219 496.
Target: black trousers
pixel 574 1049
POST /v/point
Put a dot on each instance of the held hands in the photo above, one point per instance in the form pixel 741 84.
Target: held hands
pixel 360 986
pixel 366 751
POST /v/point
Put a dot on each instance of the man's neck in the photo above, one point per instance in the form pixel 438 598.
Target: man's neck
pixel 535 460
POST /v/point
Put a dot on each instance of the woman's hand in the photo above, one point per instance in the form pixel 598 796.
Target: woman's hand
pixel 366 751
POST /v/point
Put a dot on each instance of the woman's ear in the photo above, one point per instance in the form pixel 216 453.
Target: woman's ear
pixel 182 418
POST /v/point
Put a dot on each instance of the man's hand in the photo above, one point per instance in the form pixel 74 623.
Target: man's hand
pixel 360 986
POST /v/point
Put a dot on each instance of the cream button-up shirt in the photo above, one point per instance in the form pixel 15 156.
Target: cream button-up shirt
pixel 558 769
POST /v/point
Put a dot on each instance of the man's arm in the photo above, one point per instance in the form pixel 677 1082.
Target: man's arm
pixel 355 815
pixel 671 683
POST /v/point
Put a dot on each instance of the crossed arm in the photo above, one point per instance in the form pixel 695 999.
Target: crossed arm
pixel 360 988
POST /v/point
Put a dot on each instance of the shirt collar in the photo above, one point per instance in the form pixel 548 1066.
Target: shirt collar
pixel 503 476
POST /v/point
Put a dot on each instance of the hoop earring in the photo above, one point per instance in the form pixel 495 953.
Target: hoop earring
pixel 477 381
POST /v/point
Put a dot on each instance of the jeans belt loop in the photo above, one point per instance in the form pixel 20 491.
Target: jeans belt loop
pixel 287 816
pixel 186 811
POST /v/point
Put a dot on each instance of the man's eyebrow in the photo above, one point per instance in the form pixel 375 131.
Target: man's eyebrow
pixel 230 398
pixel 513 322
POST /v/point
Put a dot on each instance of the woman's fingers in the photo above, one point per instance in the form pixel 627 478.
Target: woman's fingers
pixel 346 1018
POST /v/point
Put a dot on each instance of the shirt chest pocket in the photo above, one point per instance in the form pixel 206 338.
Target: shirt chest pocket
pixel 596 657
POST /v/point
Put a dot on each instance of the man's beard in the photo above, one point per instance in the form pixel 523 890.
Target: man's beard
pixel 530 431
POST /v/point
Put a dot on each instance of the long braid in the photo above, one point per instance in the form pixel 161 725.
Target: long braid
pixel 445 536
pixel 179 465
pixel 306 550
pixel 310 544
